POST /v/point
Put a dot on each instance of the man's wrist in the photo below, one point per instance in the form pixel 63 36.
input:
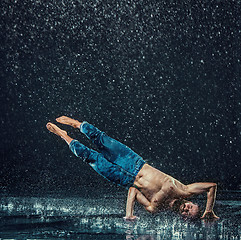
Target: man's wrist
pixel 208 210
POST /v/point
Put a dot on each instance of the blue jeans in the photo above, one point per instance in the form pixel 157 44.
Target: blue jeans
pixel 114 161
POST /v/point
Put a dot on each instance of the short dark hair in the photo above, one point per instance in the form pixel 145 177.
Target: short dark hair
pixel 176 205
pixel 198 215
pixel 179 202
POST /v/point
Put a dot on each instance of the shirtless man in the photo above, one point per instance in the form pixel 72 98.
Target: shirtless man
pixel 150 187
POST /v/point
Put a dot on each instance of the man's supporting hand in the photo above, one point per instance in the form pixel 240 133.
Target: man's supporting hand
pixel 133 195
pixel 209 215
pixel 131 218
pixel 211 189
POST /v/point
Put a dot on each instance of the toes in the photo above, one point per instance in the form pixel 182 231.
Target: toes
pixel 48 125
pixel 59 119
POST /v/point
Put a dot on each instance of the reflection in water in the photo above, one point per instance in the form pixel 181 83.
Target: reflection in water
pixel 131 237
pixel 78 218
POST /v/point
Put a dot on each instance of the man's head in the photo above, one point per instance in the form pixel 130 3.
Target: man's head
pixel 187 209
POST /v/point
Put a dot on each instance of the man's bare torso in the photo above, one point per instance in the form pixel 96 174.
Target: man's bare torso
pixel 159 188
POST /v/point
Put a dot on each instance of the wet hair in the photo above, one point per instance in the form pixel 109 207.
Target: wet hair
pixel 199 213
pixel 176 205
pixel 179 202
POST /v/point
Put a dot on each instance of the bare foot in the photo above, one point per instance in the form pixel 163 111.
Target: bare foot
pixel 56 130
pixel 69 121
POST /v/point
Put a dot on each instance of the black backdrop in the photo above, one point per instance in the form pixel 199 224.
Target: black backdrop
pixel 162 77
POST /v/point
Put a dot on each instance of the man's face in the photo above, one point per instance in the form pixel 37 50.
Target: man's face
pixel 189 209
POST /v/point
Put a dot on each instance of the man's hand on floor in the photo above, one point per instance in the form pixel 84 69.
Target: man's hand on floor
pixel 209 215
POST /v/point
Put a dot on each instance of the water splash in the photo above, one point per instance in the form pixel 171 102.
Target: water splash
pixel 72 217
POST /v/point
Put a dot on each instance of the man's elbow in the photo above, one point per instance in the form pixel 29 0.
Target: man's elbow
pixel 213 187
pixel 150 209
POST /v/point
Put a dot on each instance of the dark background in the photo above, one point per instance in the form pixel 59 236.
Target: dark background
pixel 163 77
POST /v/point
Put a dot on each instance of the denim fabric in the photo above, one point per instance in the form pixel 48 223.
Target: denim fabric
pixel 114 161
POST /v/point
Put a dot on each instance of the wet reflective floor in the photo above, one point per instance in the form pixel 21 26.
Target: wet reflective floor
pixel 102 218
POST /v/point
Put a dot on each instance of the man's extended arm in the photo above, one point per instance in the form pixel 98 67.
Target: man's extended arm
pixel 211 189
pixel 134 194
